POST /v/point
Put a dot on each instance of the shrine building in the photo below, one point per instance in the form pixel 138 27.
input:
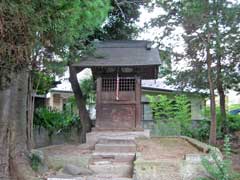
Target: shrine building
pixel 118 68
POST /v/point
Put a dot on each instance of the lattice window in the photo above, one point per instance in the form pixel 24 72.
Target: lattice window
pixel 109 84
pixel 127 84
pixel 124 84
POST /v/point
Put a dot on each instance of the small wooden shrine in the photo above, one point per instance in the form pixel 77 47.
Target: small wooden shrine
pixel 118 67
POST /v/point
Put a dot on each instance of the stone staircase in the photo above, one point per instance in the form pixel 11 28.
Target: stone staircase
pixel 113 155
pixel 113 159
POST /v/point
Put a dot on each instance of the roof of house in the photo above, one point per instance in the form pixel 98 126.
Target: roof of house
pixel 121 53
pixel 161 85
pixel 158 84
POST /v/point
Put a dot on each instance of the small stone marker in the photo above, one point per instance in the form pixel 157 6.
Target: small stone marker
pixel 194 158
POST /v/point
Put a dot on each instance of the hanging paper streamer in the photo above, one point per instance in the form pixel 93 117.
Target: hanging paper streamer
pixel 117 88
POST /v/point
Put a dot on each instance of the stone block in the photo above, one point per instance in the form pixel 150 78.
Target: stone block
pixel 113 157
pixel 115 148
pixel 95 136
pixel 114 170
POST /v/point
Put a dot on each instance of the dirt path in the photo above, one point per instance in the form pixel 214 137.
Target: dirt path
pixel 165 148
pixel 161 158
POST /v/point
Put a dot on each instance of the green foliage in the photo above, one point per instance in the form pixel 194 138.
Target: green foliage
pixel 55 121
pixel 182 114
pixel 120 24
pixel 42 82
pixel 233 121
pixel 162 107
pixel 207 114
pixel 234 106
pixel 172 115
pixel 35 29
pixel 198 18
pixel 88 89
pixel 68 21
pixel 202 131
pixel 217 168
pixel 35 162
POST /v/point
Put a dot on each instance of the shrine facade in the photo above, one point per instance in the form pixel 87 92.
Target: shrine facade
pixel 118 68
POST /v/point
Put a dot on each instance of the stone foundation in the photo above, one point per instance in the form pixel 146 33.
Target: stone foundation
pixel 94 136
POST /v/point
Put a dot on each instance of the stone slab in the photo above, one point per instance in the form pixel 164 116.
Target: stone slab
pixel 115 170
pixel 115 148
pixel 107 178
pixel 66 178
pixel 116 141
pixel 94 136
pixel 114 157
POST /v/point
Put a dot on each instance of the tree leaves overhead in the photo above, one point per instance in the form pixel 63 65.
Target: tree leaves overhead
pixel 66 21
pixel 29 26
pixel 121 21
pixel 220 18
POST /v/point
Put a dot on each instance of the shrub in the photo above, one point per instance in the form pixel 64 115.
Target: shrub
pixel 234 122
pixel 172 116
pixel 35 162
pixel 202 130
pixel 55 121
pixel 217 168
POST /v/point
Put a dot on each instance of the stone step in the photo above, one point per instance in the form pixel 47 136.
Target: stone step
pixel 107 178
pixel 112 169
pixel 120 148
pixel 114 157
pixel 160 176
pixel 115 141
pixel 88 178
pixel 60 177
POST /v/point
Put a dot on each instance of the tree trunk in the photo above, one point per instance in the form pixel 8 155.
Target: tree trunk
pixel 222 98
pixel 213 128
pixel 13 129
pixel 83 113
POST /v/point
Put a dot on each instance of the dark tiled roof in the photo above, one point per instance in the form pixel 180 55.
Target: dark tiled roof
pixel 122 53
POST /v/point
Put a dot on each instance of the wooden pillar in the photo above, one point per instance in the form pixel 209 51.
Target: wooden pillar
pixel 138 104
pixel 98 100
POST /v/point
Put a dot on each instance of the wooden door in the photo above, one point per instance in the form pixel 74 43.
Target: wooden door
pixel 116 103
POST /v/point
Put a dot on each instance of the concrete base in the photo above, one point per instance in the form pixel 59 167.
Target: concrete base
pixel 94 136
pixel 116 170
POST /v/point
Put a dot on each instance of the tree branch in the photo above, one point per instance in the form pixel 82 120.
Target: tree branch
pixel 120 9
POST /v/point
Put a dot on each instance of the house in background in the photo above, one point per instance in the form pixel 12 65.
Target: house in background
pixel 57 99
pixel 158 87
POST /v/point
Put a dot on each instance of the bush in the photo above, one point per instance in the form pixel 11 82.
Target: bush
pixel 55 121
pixel 35 162
pixel 233 121
pixel 219 169
pixel 172 116
pixel 202 130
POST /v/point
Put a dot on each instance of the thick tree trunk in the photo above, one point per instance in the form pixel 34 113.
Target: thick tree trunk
pixel 221 98
pixel 213 128
pixel 13 130
pixel 83 113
